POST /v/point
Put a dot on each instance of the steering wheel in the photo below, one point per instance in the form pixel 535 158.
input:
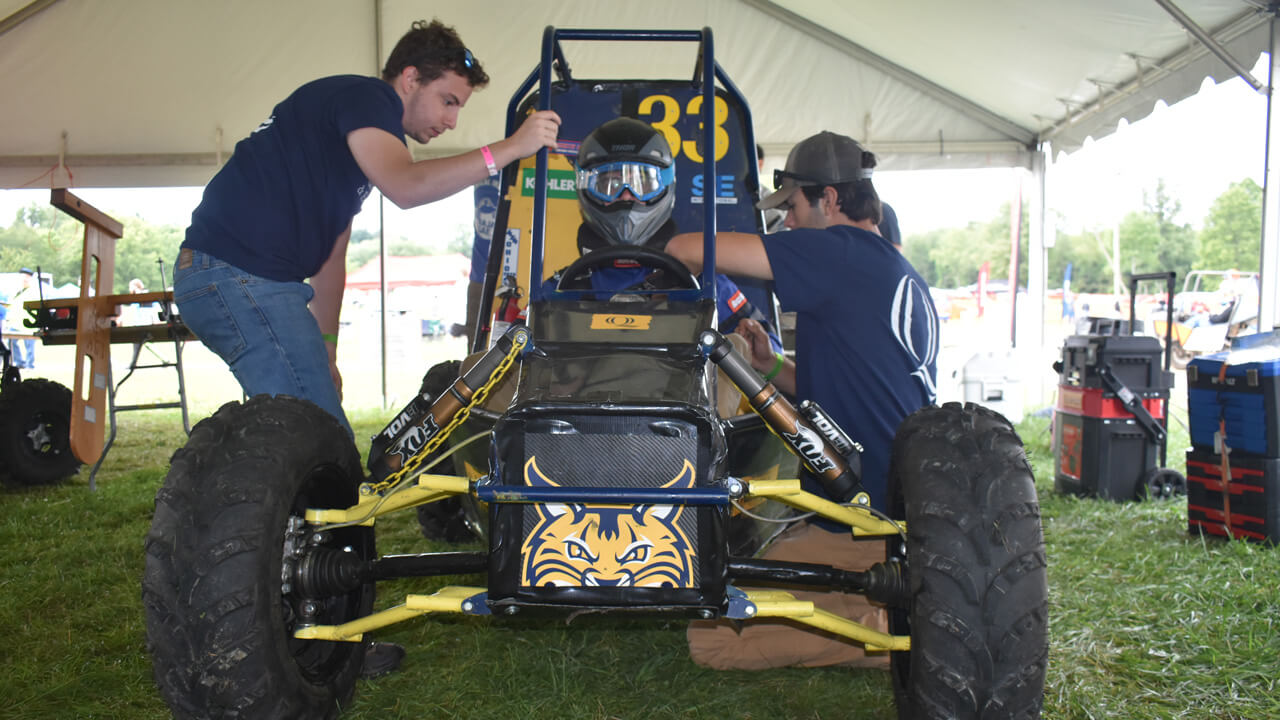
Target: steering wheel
pixel 575 276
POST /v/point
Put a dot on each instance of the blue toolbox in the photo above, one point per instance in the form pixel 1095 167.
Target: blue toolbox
pixel 1233 396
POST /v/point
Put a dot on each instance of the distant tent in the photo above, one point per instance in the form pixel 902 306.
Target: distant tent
pixel 419 271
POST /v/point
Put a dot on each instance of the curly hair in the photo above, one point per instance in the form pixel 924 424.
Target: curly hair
pixel 433 48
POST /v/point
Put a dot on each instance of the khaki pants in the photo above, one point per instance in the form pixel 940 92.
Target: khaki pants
pixel 772 643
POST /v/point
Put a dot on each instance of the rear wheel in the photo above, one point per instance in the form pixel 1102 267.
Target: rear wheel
pixel 221 589
pixel 35 432
pixel 978 616
pixel 1161 483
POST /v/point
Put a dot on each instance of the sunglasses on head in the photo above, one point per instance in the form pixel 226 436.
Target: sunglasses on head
pixel 465 56
pixel 780 175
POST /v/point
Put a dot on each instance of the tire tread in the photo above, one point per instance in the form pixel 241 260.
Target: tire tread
pixel 979 625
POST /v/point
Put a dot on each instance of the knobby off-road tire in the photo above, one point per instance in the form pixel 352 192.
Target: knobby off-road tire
pixel 219 620
pixel 443 520
pixel 35 433
pixel 978 620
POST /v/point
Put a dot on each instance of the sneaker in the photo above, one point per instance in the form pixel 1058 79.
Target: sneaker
pixel 381 658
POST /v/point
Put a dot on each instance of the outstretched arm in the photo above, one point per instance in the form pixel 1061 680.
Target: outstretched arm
pixel 391 168
pixel 736 253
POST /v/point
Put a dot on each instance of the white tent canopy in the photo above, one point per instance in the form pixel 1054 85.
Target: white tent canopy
pixel 157 92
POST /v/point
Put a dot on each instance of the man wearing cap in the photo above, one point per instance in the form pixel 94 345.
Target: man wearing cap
pixel 866 345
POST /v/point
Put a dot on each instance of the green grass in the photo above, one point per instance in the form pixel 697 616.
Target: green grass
pixel 1146 621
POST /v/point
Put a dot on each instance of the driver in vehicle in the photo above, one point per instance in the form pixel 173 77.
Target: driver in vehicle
pixel 625 182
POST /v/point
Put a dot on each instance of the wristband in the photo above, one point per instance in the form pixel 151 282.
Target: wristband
pixel 777 368
pixel 488 161
pixel 329 337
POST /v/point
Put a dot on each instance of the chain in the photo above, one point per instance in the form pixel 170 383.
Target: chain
pixel 411 465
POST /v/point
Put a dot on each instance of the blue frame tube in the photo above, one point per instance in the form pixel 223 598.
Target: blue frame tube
pixel 750 134
pixel 709 164
pixel 601 495
pixel 551 53
pixel 550 49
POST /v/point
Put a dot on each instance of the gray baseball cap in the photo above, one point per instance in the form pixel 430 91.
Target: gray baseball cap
pixel 823 159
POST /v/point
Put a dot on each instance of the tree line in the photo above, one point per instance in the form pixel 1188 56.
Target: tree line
pixel 41 236
pixel 1151 240
pixel 45 237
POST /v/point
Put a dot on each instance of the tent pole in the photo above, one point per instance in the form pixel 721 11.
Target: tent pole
pixel 382 238
pixel 1210 43
pixel 1039 240
pixel 23 14
pixel 1015 246
pixel 1269 262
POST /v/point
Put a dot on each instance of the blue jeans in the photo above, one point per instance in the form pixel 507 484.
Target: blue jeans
pixel 261 328
pixel 23 353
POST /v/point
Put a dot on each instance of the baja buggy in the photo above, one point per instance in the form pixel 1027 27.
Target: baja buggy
pixel 612 471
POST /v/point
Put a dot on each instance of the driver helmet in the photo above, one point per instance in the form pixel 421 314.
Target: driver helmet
pixel 625 154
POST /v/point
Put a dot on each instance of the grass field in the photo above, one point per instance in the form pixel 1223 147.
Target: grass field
pixel 1146 620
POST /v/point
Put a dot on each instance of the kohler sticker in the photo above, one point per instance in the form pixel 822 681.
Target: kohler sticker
pixel 809 444
pixel 415 438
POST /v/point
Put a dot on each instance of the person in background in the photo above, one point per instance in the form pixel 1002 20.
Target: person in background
pixel 867 337
pixel 486 196
pixel 773 217
pixel 4 313
pixel 22 352
pixel 279 212
pixel 888 226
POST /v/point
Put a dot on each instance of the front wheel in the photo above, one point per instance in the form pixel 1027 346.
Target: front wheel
pixel 978 615
pixel 221 589
pixel 35 432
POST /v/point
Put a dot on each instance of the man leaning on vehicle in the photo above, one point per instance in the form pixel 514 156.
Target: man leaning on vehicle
pixel 866 349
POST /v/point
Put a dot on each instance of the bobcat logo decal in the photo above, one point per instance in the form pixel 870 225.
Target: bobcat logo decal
pixel 607 545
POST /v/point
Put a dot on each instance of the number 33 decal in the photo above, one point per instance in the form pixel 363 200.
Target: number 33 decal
pixel 671 115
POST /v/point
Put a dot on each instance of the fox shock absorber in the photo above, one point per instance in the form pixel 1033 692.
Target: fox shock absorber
pixel 812 435
pixel 408 434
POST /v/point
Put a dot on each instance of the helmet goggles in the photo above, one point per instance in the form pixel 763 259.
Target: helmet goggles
pixel 606 182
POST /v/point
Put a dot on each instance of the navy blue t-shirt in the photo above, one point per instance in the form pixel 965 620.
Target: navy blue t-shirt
pixel 866 336
pixel 277 207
